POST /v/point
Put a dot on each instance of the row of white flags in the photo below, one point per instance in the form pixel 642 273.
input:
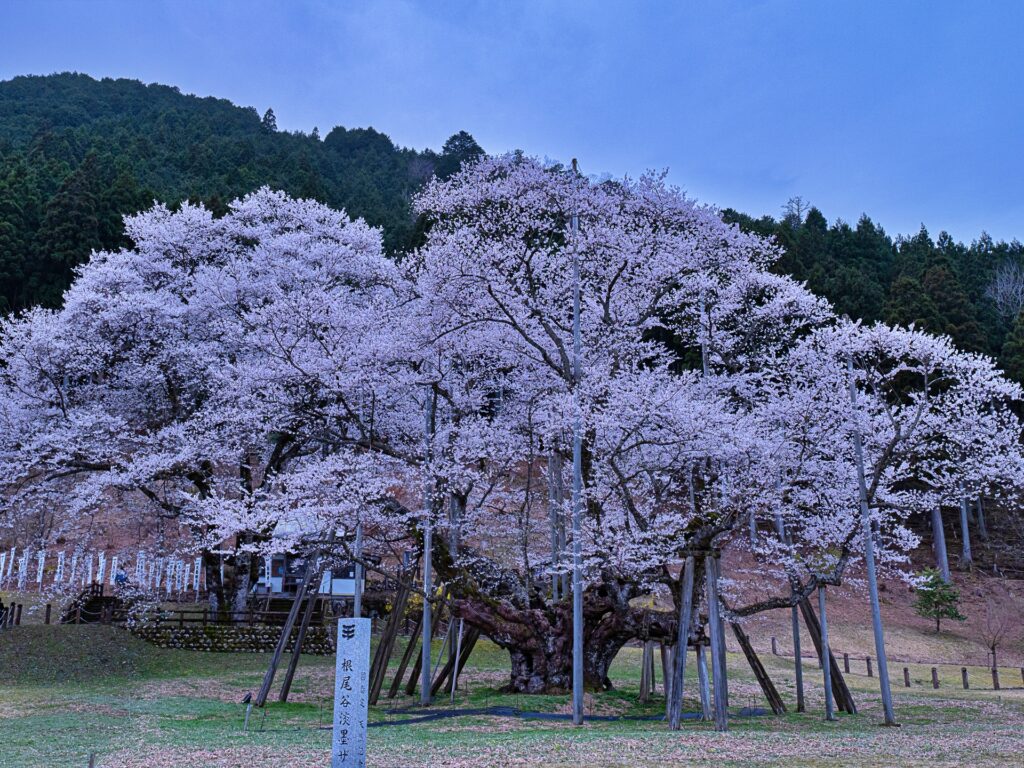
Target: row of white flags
pixel 151 572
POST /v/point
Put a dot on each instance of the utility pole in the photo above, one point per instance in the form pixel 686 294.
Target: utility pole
pixel 577 485
pixel 869 557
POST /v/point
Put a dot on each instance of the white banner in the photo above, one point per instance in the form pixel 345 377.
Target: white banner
pixel 58 577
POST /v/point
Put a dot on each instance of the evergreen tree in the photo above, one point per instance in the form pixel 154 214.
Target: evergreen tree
pixel 936 599
pixel 460 148
pixel 269 122
pixel 1012 356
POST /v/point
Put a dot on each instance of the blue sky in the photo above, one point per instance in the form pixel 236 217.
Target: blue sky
pixel 910 111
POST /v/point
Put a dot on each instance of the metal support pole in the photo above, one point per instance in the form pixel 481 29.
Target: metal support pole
pixel 869 560
pixel 825 655
pixel 577 491
pixel 357 597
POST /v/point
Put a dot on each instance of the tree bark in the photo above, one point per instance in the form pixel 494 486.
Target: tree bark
pixel 939 544
pixel 965 555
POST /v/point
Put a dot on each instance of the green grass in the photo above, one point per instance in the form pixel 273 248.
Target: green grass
pixel 66 692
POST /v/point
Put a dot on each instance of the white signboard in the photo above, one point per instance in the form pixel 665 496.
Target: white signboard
pixel 351 692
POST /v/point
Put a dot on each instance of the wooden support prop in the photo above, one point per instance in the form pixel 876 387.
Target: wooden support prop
pixel 666 667
pixel 468 642
pixel 454 684
pixel 286 631
pixel 654 671
pixel 300 639
pixel 769 689
pixel 935 678
pixel 386 646
pixel 410 649
pixel 906 677
pixel 846 663
pixel 667 658
pixel 716 562
pixel 675 703
pixel 963 676
pixel 867 659
pixel 995 678
pixel 435 619
pixel 645 673
pixel 840 691
pixel 704 685
pixel 717 645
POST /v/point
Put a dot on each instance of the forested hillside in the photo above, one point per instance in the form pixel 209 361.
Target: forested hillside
pixel 77 153
pixel 974 293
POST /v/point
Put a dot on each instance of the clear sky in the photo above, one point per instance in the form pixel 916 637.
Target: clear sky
pixel 910 111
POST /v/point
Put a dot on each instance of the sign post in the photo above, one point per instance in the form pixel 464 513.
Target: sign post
pixel 351 691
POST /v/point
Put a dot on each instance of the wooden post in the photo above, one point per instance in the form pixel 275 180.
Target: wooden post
pixel 995 678
pixel 775 649
pixel 47 619
pixel 675 702
pixel 769 689
pixel 870 671
pixel 717 644
pixel 846 663
pixel 17 615
pixel 935 678
pixel 963 676
pixel 78 614
pixel 205 613
pixel 906 677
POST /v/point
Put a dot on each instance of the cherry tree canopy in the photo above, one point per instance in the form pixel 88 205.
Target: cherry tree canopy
pixel 273 370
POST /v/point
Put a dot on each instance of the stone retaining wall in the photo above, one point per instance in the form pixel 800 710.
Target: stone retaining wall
pixel 233 639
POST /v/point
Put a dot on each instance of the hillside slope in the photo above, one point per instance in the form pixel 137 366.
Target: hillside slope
pixel 77 153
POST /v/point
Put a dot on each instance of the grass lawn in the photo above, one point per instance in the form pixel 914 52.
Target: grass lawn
pixel 69 691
